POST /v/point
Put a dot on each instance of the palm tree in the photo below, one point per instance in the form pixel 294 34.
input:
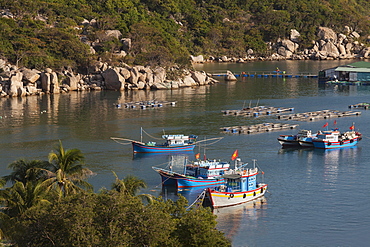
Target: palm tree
pixel 24 170
pixel 16 200
pixel 130 186
pixel 68 174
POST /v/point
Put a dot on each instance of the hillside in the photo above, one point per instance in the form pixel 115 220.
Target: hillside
pixel 72 33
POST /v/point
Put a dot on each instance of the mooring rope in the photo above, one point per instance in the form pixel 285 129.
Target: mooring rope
pixel 199 198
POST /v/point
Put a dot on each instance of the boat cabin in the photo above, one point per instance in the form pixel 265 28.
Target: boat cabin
pixel 207 169
pixel 330 136
pixel 240 180
pixel 178 140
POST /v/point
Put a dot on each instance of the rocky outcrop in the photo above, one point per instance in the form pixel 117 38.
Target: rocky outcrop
pixel 328 45
pixel 16 82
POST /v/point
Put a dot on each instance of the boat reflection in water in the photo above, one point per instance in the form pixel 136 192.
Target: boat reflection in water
pixel 240 217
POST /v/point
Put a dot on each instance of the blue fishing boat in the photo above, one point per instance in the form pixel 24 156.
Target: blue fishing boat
pixel 295 140
pixel 200 173
pixel 173 143
pixel 240 187
pixel 330 139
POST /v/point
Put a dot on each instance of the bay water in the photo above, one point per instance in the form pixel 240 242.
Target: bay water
pixel 315 197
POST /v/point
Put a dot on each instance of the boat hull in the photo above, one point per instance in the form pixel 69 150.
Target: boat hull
pixel 332 145
pixel 306 142
pixel 142 148
pixel 183 182
pixel 288 141
pixel 225 199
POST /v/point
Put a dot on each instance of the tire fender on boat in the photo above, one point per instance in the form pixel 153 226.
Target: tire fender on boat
pixel 329 143
pixel 231 195
pixel 341 143
pixel 254 193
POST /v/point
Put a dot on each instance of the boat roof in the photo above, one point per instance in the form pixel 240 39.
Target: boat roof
pixel 232 176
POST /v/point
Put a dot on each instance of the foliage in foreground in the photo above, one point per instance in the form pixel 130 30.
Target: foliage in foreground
pixel 51 204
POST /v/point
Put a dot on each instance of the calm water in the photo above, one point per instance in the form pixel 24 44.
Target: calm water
pixel 316 198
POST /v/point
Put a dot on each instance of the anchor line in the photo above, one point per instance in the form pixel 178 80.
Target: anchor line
pixel 199 198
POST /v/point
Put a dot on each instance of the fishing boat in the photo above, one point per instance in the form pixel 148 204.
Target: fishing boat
pixel 306 140
pixel 330 139
pixel 294 140
pixel 240 187
pixel 199 173
pixel 173 143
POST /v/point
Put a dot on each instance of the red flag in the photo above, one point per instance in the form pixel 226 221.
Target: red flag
pixel 325 125
pixel 335 122
pixel 352 127
pixel 235 155
pixel 197 156
pixel 204 157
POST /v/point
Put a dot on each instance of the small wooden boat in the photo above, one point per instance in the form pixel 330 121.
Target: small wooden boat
pixel 240 186
pixel 331 139
pixel 199 173
pixel 294 140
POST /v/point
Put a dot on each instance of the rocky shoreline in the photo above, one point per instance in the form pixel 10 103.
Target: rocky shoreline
pixel 329 45
pixel 19 82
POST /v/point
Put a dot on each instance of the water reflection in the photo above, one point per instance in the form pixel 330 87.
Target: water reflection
pixel 243 217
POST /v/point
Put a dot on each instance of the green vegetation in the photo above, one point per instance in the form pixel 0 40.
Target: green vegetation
pixel 48 33
pixel 49 203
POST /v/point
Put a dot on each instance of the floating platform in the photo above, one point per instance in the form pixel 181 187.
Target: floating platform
pixel 257 111
pixel 360 105
pixel 146 104
pixel 318 115
pixel 258 128
pixel 269 74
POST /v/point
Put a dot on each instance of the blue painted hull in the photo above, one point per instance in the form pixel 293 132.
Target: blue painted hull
pixel 142 148
pixel 181 181
pixel 332 145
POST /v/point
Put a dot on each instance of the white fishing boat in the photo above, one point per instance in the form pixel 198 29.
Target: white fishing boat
pixel 240 186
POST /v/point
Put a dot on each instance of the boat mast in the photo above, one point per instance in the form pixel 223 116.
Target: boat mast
pixel 185 165
pixel 141 134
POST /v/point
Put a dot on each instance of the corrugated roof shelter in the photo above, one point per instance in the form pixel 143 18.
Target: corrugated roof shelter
pixel 354 72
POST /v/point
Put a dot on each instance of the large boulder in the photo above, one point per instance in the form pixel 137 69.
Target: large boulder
pixel 159 75
pixel 16 85
pixel 282 51
pixel 54 83
pixel 197 59
pixel 327 34
pixel 199 77
pixel 189 81
pixel 330 49
pixel 45 82
pixel 72 81
pixel 230 76
pixel 30 75
pixel 112 34
pixel 289 45
pixel 295 35
pixel 113 79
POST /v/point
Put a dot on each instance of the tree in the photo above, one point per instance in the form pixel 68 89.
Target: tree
pixel 68 174
pixel 130 186
pixel 24 171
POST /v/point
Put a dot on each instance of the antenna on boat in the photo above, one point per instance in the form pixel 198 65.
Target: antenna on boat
pixel 254 163
pixel 257 102
pixel 250 103
pixel 243 105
